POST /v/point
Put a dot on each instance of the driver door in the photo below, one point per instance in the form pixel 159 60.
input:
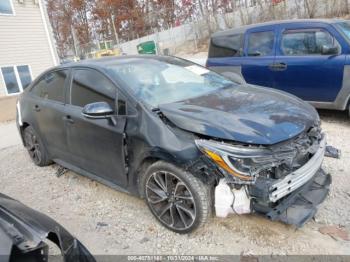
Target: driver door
pixel 95 145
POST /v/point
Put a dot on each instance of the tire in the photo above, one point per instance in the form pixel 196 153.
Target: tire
pixel 179 201
pixel 35 147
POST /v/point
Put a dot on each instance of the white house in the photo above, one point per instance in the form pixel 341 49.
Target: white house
pixel 26 47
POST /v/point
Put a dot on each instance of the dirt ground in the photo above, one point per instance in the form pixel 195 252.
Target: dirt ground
pixel 110 222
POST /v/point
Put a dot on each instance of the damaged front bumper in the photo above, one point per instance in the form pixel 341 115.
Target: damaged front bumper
pixel 296 208
pixel 292 199
pixel 301 205
pixel 299 177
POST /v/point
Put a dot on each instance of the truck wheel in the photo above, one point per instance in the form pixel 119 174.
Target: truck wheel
pixel 35 147
pixel 179 201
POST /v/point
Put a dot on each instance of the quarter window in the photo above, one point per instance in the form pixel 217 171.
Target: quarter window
pixel 16 78
pixel 306 42
pixel 226 46
pixel 89 86
pixel 6 7
pixel 261 43
pixel 51 86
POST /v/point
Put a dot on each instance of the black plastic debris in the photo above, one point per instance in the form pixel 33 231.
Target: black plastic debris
pixel 332 152
pixel 301 205
pixel 61 171
pixel 24 233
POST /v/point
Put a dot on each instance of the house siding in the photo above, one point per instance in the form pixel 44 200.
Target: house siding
pixel 24 41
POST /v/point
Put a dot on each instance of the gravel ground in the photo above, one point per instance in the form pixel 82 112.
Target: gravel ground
pixel 110 222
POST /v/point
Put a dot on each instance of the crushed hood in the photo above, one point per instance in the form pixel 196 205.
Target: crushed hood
pixel 245 113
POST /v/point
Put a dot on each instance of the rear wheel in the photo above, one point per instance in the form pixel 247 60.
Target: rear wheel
pixel 35 147
pixel 176 198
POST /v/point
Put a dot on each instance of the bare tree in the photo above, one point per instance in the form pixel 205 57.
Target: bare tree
pixel 310 7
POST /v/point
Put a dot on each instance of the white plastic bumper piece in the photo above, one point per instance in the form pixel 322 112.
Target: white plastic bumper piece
pixel 227 201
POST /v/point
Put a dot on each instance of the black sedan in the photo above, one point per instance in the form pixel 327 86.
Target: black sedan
pixel 179 135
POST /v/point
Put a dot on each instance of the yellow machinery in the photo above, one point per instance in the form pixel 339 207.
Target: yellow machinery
pixel 105 49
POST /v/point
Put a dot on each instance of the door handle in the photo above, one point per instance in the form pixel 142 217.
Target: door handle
pixel 278 67
pixel 36 108
pixel 68 119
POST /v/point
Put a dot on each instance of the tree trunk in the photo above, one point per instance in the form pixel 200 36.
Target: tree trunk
pixel 346 7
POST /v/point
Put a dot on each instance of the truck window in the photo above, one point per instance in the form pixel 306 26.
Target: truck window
pixel 226 46
pixel 261 43
pixel 306 42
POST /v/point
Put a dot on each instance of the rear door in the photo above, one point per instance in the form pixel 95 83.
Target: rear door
pixel 47 104
pixel 307 73
pixel 259 51
pixel 95 145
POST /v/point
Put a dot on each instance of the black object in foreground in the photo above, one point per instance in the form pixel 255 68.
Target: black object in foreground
pixel 332 152
pixel 23 232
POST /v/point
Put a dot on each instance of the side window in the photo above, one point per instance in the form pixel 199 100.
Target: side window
pixel 306 42
pixel 261 43
pixel 51 86
pixel 226 46
pixel 89 86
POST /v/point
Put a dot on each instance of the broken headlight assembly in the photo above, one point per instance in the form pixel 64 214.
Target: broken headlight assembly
pixel 237 161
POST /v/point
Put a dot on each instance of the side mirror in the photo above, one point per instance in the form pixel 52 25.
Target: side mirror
pixel 330 50
pixel 98 110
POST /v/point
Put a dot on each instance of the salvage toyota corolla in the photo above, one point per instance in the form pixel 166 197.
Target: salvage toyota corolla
pixel 179 135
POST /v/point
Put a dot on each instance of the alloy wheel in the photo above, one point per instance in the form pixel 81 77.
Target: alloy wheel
pixel 33 147
pixel 171 200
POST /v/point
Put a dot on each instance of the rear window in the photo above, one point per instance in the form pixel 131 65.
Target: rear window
pixel 226 46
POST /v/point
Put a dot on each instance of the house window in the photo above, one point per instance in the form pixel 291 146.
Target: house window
pixel 16 78
pixel 6 7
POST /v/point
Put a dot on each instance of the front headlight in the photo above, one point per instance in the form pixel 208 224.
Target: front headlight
pixel 240 162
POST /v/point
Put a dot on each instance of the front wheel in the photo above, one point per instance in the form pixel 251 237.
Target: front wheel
pixel 179 201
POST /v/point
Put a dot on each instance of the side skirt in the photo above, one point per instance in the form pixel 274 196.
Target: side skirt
pixel 87 174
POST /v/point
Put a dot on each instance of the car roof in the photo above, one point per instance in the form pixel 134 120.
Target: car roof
pixel 105 62
pixel 243 29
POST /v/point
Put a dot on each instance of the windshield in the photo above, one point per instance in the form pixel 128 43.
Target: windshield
pixel 158 82
pixel 344 27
